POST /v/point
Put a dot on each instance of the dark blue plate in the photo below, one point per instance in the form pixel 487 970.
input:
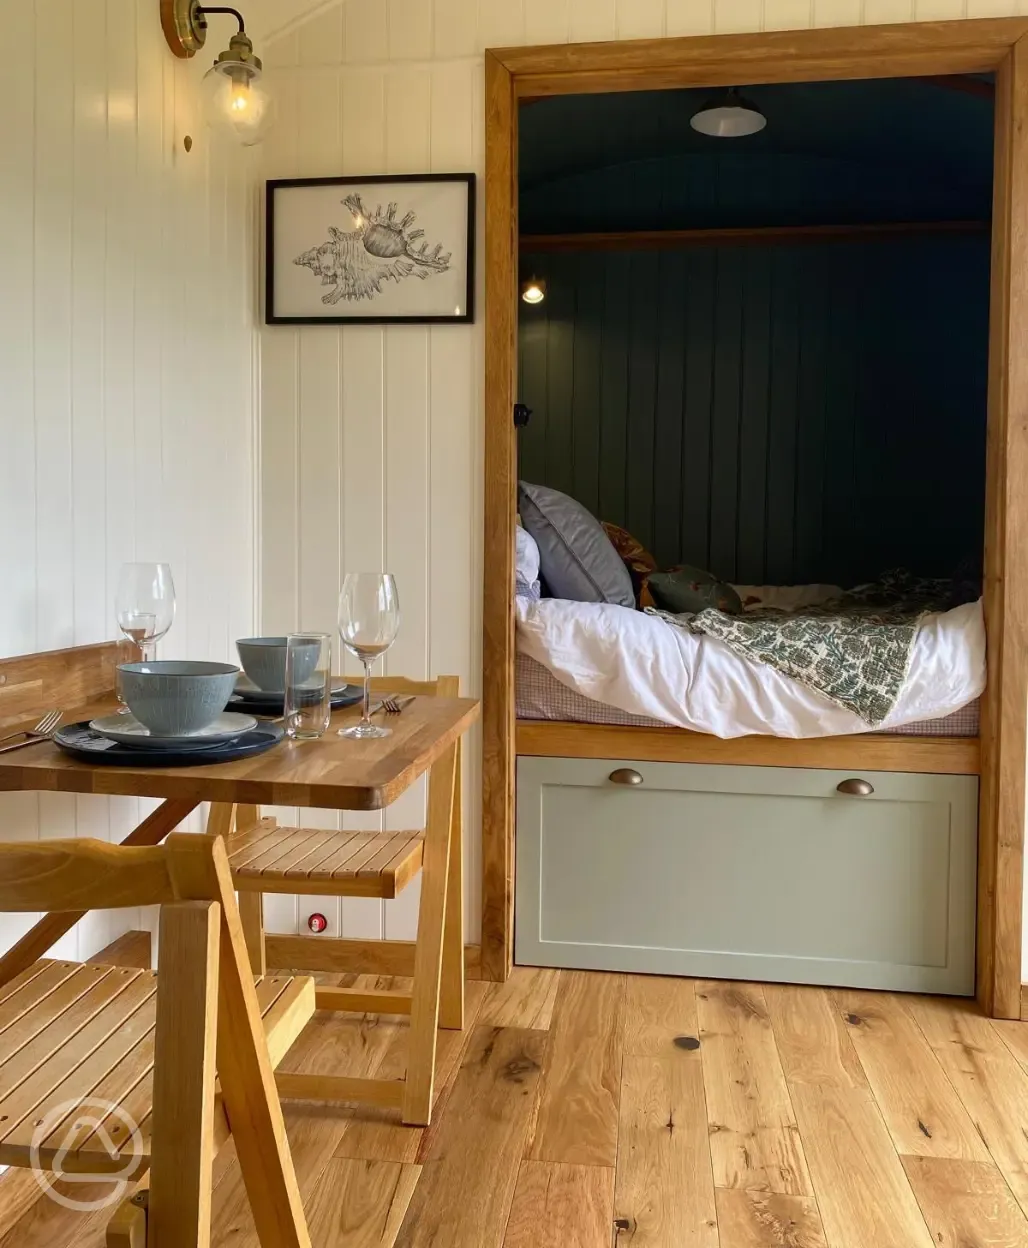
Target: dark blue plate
pixel 81 742
pixel 272 703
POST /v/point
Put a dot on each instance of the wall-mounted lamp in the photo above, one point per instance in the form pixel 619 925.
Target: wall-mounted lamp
pixel 533 290
pixel 235 101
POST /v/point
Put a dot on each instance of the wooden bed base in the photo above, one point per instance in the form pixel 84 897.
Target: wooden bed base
pixel 999 45
pixel 956 756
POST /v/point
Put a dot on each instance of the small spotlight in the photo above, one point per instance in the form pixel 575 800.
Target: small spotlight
pixel 534 290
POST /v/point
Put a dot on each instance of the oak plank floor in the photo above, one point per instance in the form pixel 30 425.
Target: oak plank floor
pixel 754 1140
pixel 561 1206
pixel 910 1086
pixel 577 1118
pixel 577 1110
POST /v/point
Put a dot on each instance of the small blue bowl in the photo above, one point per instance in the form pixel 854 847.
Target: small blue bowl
pixel 175 698
pixel 264 661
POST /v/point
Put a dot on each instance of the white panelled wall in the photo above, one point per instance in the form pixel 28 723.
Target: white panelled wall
pixel 127 352
pixel 371 436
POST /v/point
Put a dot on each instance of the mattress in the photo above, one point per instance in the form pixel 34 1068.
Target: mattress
pixel 540 695
pixel 610 664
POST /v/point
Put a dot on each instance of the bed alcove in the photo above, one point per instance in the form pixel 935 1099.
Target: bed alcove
pixel 890 52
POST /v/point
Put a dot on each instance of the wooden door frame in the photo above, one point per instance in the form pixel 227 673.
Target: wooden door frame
pixel 918 49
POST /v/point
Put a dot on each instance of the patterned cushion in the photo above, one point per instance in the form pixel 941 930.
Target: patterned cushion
pixel 636 558
pixel 693 590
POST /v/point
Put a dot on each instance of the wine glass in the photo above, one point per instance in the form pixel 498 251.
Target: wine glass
pixel 145 604
pixel 369 619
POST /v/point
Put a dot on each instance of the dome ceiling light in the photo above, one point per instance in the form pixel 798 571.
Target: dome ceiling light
pixel 728 116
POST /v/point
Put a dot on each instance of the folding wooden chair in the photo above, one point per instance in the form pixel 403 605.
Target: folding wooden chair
pixel 117 1072
pixel 266 858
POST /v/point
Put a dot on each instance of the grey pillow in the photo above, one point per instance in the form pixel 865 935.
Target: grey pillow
pixel 576 557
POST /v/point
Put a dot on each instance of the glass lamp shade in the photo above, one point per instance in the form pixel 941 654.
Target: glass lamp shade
pixel 730 117
pixel 236 104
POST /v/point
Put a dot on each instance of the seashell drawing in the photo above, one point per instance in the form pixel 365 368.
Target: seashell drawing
pixel 380 249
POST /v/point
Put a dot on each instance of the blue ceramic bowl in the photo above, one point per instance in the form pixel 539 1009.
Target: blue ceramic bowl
pixel 174 698
pixel 264 661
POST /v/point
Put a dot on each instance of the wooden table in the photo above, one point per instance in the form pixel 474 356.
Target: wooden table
pixel 332 772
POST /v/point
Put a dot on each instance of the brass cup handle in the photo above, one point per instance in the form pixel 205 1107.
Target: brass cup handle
pixel 625 775
pixel 855 788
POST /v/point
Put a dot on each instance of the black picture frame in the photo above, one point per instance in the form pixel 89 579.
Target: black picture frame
pixel 276 186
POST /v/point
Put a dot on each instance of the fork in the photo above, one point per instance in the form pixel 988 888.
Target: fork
pixel 393 706
pixel 45 728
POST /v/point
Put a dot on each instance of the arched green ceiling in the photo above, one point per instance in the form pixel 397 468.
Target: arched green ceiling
pixel 886 149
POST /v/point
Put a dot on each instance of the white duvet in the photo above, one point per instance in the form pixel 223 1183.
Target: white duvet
pixel 644 666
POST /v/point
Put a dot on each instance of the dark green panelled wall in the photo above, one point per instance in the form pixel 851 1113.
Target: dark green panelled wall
pixel 778 414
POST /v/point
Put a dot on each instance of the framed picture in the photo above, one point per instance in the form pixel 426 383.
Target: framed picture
pixel 380 250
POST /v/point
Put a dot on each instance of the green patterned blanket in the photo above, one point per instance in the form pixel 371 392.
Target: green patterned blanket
pixel 854 649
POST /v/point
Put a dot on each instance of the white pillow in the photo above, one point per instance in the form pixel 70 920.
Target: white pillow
pixel 526 563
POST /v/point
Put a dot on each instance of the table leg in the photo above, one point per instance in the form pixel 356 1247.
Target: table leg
pixel 428 954
pixel 451 1001
pixel 34 944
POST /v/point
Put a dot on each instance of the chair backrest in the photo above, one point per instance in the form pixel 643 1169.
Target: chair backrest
pixel 92 875
pixel 442 686
pixel 58 679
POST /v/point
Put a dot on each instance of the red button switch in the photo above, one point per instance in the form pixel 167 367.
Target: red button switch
pixel 317 922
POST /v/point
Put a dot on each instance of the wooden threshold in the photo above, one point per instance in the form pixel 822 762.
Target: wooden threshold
pixel 650 240
pixel 870 751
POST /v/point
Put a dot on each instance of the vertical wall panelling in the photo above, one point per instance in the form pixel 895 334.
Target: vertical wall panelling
pixel 126 350
pixel 735 407
pixel 640 19
pixel 592 21
pixel 694 17
pixel 408 147
pixel 549 19
pixel 501 23
pixel 363 428
pixel 455 28
pixel 410 30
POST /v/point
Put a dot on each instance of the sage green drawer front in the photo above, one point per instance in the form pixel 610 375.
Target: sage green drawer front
pixel 748 872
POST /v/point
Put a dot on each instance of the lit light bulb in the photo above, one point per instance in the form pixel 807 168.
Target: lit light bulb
pixel 236 103
pixel 240 98
pixel 533 291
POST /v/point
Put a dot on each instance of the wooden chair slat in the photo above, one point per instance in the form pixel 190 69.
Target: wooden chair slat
pixel 49 1007
pixel 400 846
pixel 252 845
pixel 348 870
pixel 134 1022
pixel 20 981
pixel 290 845
pixel 30 987
pixel 119 1071
pixel 66 1041
pixel 246 840
pixel 330 844
pixel 365 864
pixel 348 845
